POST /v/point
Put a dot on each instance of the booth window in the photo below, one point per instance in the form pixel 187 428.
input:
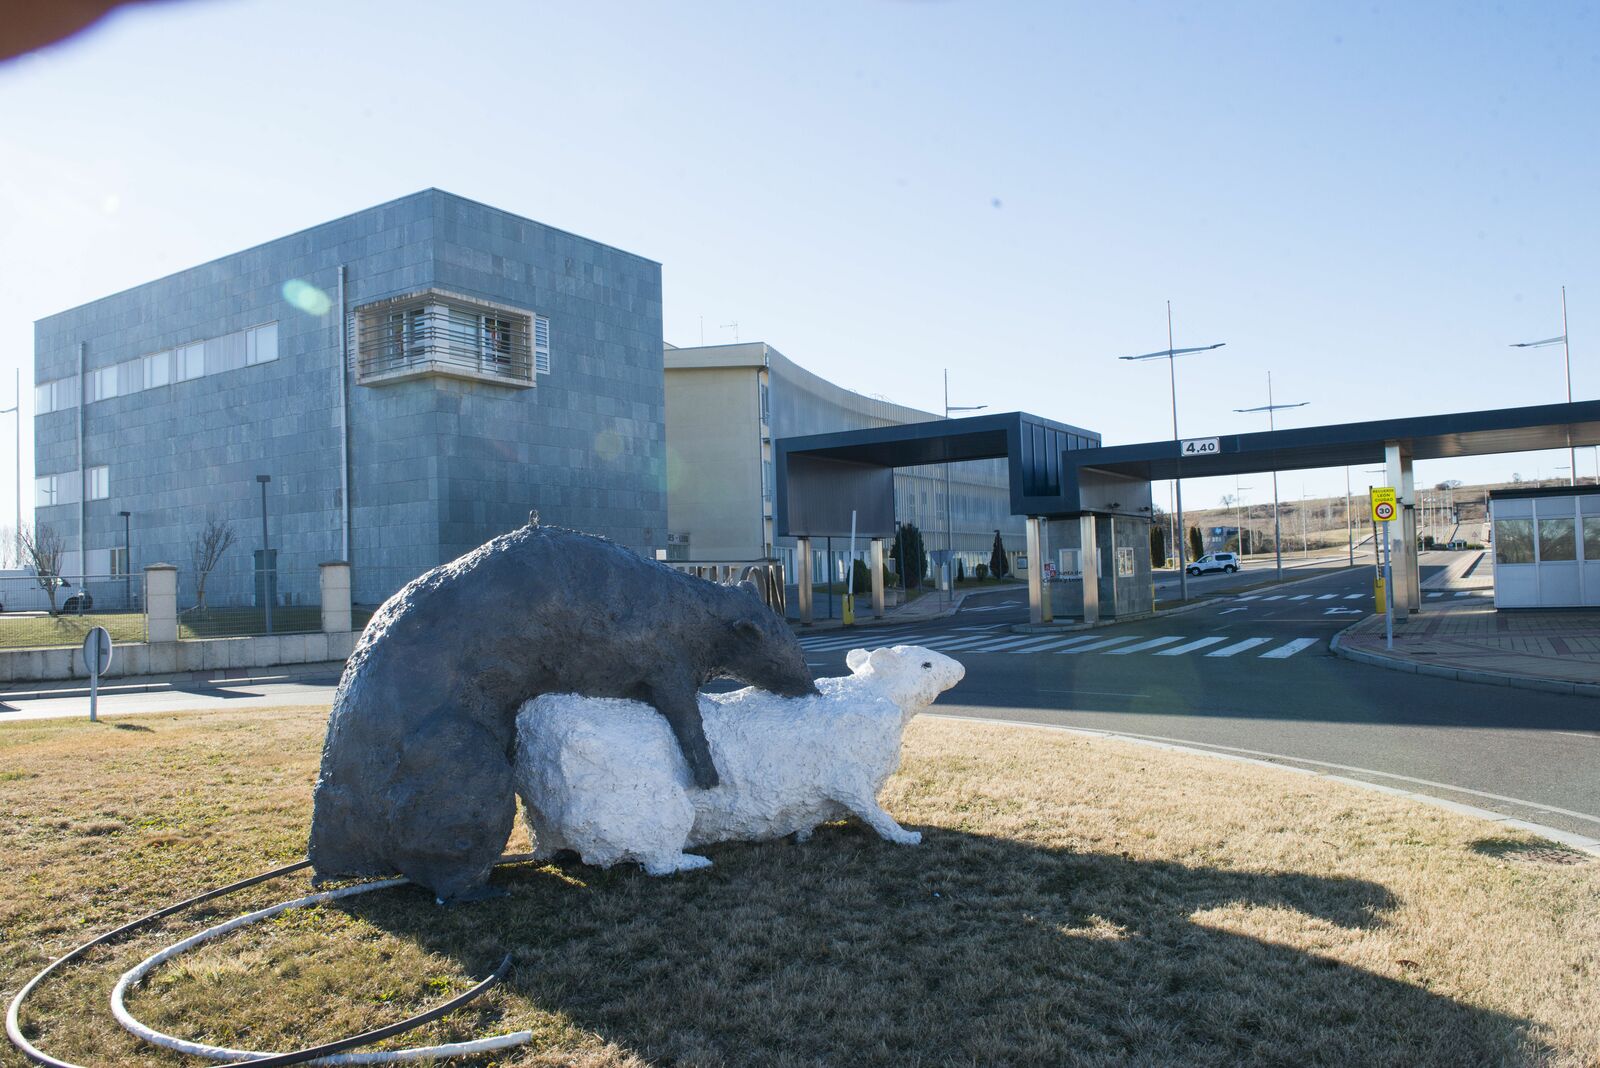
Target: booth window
pixel 1557 540
pixel 1513 541
pixel 1591 537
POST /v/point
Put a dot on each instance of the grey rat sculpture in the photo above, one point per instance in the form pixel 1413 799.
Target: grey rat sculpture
pixel 417 765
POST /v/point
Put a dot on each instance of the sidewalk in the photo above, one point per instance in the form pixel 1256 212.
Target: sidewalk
pixel 1467 639
pixel 931 605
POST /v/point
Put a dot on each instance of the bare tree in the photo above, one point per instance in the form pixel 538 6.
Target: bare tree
pixel 206 549
pixel 42 549
pixel 10 551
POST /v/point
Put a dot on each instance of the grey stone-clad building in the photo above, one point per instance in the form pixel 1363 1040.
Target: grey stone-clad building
pixel 491 365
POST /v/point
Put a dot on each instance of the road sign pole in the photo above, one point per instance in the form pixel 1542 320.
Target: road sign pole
pixel 1388 591
pixel 94 691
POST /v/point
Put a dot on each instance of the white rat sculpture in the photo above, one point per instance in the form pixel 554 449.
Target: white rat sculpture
pixel 603 776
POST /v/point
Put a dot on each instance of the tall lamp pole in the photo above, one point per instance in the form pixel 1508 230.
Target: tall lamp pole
pixel 17 409
pixel 1572 454
pixel 949 529
pixel 1277 527
pixel 127 563
pixel 267 576
pixel 1169 353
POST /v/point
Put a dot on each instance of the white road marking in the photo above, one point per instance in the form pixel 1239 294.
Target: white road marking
pixel 985 627
pixel 1301 597
pixel 1354 596
pixel 1463 593
pixel 1324 597
pixel 994 646
pixel 1432 596
pixel 1153 643
pixel 964 643
pixel 1274 597
pixel 1191 647
pixel 1225 611
pixel 1249 597
pixel 1288 649
pixel 823 645
pixel 1057 644
pixel 1336 610
pixel 1239 647
pixel 1105 644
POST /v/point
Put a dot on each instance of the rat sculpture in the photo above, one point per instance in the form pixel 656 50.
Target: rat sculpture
pixel 416 773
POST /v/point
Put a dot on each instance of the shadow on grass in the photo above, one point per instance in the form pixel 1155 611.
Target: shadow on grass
pixel 1535 852
pixel 966 950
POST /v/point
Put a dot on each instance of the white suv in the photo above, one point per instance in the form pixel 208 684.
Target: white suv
pixel 1227 563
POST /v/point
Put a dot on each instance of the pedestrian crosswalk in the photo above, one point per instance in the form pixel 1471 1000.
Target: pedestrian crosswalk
pixel 1303 596
pixel 1096 642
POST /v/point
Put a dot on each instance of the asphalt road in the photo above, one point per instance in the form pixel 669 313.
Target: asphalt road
pixel 1250 674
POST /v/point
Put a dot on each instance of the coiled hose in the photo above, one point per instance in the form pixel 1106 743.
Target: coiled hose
pixel 326 1053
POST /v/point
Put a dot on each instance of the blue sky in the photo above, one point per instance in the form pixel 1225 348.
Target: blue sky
pixel 1371 203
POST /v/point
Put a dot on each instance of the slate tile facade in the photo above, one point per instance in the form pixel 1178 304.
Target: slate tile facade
pixel 437 465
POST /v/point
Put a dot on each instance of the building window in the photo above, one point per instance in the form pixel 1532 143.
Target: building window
pixel 191 361
pixel 261 344
pixel 98 482
pixel 101 384
pixel 119 561
pixel 157 369
pixel 438 333
pixel 541 344
pixel 1513 541
pixel 1557 540
pixel 51 490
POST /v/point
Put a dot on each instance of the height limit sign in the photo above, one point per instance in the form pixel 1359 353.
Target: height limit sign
pixel 1383 504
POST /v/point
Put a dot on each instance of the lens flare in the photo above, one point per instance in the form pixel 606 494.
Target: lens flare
pixel 306 297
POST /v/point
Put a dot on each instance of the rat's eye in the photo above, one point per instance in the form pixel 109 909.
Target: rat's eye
pixel 927 665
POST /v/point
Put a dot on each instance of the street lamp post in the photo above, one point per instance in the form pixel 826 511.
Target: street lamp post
pixel 1277 527
pixel 266 555
pixel 1170 354
pixel 17 409
pixel 1572 453
pixel 1238 512
pixel 949 528
pixel 127 563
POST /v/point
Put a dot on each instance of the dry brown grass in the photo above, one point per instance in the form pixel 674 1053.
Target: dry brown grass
pixel 1075 901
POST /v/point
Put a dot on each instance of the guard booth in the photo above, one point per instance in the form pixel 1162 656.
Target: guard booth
pixel 1546 546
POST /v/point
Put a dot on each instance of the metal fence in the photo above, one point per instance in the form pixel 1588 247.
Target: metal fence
pixel 29 620
pixel 234 603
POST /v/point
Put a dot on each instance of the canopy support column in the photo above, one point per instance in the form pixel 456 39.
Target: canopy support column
pixel 1089 565
pixel 802 578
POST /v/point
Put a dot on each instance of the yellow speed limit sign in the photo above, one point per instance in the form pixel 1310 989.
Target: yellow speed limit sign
pixel 1383 504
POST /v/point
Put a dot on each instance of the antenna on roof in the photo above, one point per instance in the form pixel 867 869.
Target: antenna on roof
pixel 734 326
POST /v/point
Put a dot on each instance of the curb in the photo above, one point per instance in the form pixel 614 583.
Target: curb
pixel 1580 842
pixel 164 683
pixel 889 620
pixel 1488 678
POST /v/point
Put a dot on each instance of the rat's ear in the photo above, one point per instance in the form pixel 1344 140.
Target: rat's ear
pixel 884 660
pixel 855 659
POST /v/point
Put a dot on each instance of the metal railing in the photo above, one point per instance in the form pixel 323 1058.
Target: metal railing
pixel 28 621
pixel 435 334
pixel 765 575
